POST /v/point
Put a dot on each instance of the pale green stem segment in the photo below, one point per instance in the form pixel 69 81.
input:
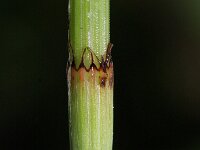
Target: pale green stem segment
pixel 89 27
pixel 90 110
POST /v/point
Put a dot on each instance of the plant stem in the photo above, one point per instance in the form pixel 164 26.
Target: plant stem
pixel 90 76
pixel 89 27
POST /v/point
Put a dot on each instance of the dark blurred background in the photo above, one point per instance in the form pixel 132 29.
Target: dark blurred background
pixel 157 74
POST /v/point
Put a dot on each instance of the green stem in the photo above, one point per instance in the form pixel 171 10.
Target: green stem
pixel 89 27
pixel 90 76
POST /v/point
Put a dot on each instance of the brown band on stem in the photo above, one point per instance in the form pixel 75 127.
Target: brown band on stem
pixel 104 63
pixel 105 66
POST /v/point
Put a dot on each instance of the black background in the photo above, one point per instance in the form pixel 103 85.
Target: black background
pixel 157 74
